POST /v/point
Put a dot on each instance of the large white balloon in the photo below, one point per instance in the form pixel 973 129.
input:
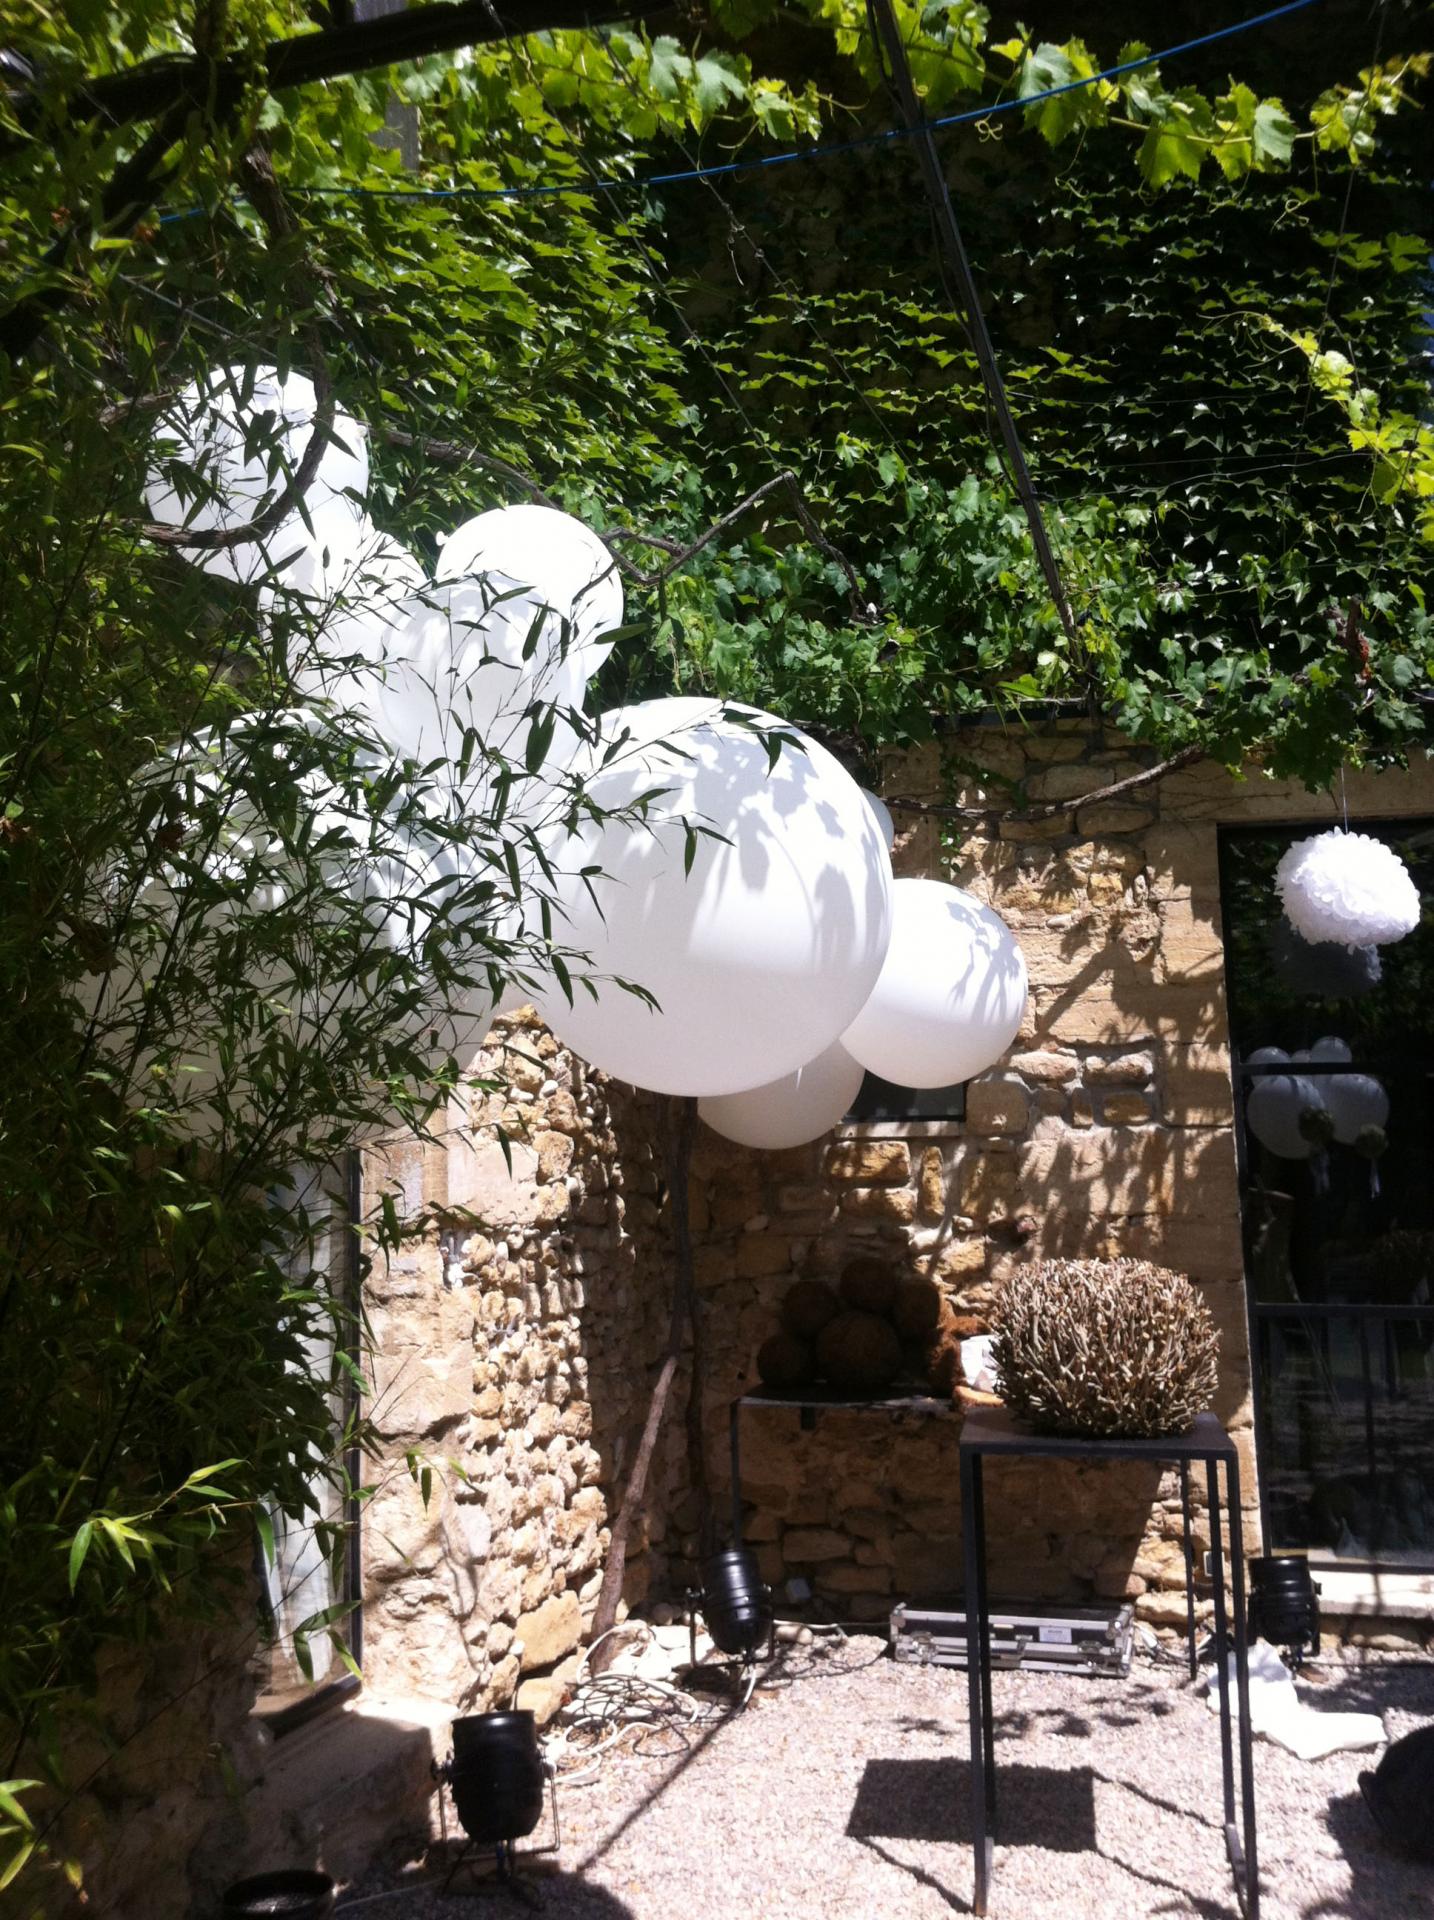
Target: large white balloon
pixel 347 619
pixel 881 813
pixel 477 652
pixel 1273 1112
pixel 801 1106
pixel 1356 1101
pixel 951 994
pixel 758 955
pixel 243 432
pixel 562 561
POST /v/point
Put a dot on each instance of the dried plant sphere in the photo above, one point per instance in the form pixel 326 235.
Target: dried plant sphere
pixel 807 1306
pixel 917 1309
pixel 869 1284
pixel 1103 1347
pixel 858 1352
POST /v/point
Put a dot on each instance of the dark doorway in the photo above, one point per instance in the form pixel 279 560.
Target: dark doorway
pixel 1339 1231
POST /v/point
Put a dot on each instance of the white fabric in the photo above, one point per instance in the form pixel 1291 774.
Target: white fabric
pixel 1277 1711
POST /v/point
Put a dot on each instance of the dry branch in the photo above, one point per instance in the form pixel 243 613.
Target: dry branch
pixel 1048 810
pixel 681 1121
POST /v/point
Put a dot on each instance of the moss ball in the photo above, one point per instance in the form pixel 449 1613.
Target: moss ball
pixel 784 1361
pixel 807 1307
pixel 858 1352
pixel 869 1285
pixel 917 1309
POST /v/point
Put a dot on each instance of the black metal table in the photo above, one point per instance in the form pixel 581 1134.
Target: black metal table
pixel 809 1402
pixel 992 1431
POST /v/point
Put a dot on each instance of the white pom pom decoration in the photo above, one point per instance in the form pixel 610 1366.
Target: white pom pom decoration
pixel 1348 888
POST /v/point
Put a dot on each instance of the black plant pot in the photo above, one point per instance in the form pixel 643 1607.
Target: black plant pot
pixel 1284 1600
pixel 293 1893
pixel 496 1776
pixel 736 1602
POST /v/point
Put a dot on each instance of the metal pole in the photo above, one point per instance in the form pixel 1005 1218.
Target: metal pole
pixel 883 21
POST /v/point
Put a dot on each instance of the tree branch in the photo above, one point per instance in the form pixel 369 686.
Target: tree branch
pixel 1048 810
pixel 450 453
pixel 268 199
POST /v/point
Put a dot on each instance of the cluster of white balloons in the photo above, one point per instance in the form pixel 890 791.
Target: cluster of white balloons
pixel 753 904
pixel 1348 888
pixel 1293 1114
pixel 730 882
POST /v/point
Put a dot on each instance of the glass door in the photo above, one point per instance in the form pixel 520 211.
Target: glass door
pixel 1334 1080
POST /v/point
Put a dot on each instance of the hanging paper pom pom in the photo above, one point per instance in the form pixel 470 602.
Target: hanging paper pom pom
pixel 1349 888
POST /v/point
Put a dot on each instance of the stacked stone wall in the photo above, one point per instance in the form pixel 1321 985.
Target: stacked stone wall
pixel 516 1335
pixel 524 1350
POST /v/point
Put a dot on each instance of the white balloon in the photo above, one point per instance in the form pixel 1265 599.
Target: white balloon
pixel 1332 1049
pixel 881 813
pixel 562 561
pixel 458 658
pixel 951 994
pixel 243 433
pixel 1267 1057
pixel 400 888
pixel 801 1106
pixel 762 952
pixel 347 621
pixel 1273 1111
pixel 1355 1100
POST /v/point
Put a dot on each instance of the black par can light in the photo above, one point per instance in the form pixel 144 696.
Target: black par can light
pixel 1284 1603
pixel 736 1603
pixel 290 1893
pixel 497 1778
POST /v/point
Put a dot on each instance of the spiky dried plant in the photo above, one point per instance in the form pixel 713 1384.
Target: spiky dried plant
pixel 1103 1347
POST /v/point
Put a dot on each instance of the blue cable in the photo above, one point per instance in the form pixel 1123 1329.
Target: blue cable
pixel 823 152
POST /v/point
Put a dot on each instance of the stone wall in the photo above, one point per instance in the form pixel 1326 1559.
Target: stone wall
pixel 523 1350
pixel 516 1336
pixel 1107 1130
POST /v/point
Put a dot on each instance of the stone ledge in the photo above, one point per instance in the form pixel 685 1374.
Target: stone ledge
pixel 1375 1596
pixel 336 1790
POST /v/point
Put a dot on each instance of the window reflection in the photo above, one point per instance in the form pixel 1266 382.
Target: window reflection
pixel 1335 1060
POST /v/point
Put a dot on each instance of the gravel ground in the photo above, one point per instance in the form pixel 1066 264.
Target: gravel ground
pixel 844 1793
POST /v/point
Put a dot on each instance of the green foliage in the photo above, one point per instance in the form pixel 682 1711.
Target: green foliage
pixel 649 359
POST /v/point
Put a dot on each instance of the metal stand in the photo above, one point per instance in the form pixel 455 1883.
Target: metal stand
pixel 992 1430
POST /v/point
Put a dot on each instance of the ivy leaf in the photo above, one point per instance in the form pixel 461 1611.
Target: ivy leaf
pixel 717 81
pixel 1274 133
pixel 668 68
pixel 1170 149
